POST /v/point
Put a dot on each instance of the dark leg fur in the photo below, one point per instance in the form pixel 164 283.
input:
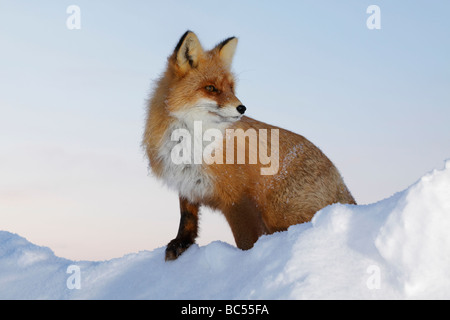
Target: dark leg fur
pixel 187 232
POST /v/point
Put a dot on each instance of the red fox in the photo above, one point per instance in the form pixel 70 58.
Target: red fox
pixel 197 93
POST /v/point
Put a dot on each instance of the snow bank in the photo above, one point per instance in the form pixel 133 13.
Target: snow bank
pixel 397 248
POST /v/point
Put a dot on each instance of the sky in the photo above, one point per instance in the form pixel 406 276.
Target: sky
pixel 73 175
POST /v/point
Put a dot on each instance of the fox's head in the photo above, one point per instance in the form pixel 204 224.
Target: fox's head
pixel 202 86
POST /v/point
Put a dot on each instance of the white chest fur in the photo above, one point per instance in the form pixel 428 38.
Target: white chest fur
pixel 189 178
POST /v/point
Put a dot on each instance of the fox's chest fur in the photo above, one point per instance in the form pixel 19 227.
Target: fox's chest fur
pixel 192 180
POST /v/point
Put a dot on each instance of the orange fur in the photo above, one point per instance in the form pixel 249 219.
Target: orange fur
pixel 253 204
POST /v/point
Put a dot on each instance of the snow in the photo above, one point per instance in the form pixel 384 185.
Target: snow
pixel 397 248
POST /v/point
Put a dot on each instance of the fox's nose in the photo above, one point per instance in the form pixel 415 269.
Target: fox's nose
pixel 241 109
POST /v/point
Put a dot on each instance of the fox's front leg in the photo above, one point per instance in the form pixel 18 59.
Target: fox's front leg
pixel 187 232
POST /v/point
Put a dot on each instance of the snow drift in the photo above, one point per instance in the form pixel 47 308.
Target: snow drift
pixel 398 248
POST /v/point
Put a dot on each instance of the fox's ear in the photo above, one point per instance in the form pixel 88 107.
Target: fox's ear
pixel 188 51
pixel 226 50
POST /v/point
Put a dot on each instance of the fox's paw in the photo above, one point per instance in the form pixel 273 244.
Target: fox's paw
pixel 176 247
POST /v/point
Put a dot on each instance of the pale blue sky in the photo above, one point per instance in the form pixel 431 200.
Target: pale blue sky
pixel 72 173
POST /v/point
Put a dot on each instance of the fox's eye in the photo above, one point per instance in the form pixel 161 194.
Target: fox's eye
pixel 210 88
